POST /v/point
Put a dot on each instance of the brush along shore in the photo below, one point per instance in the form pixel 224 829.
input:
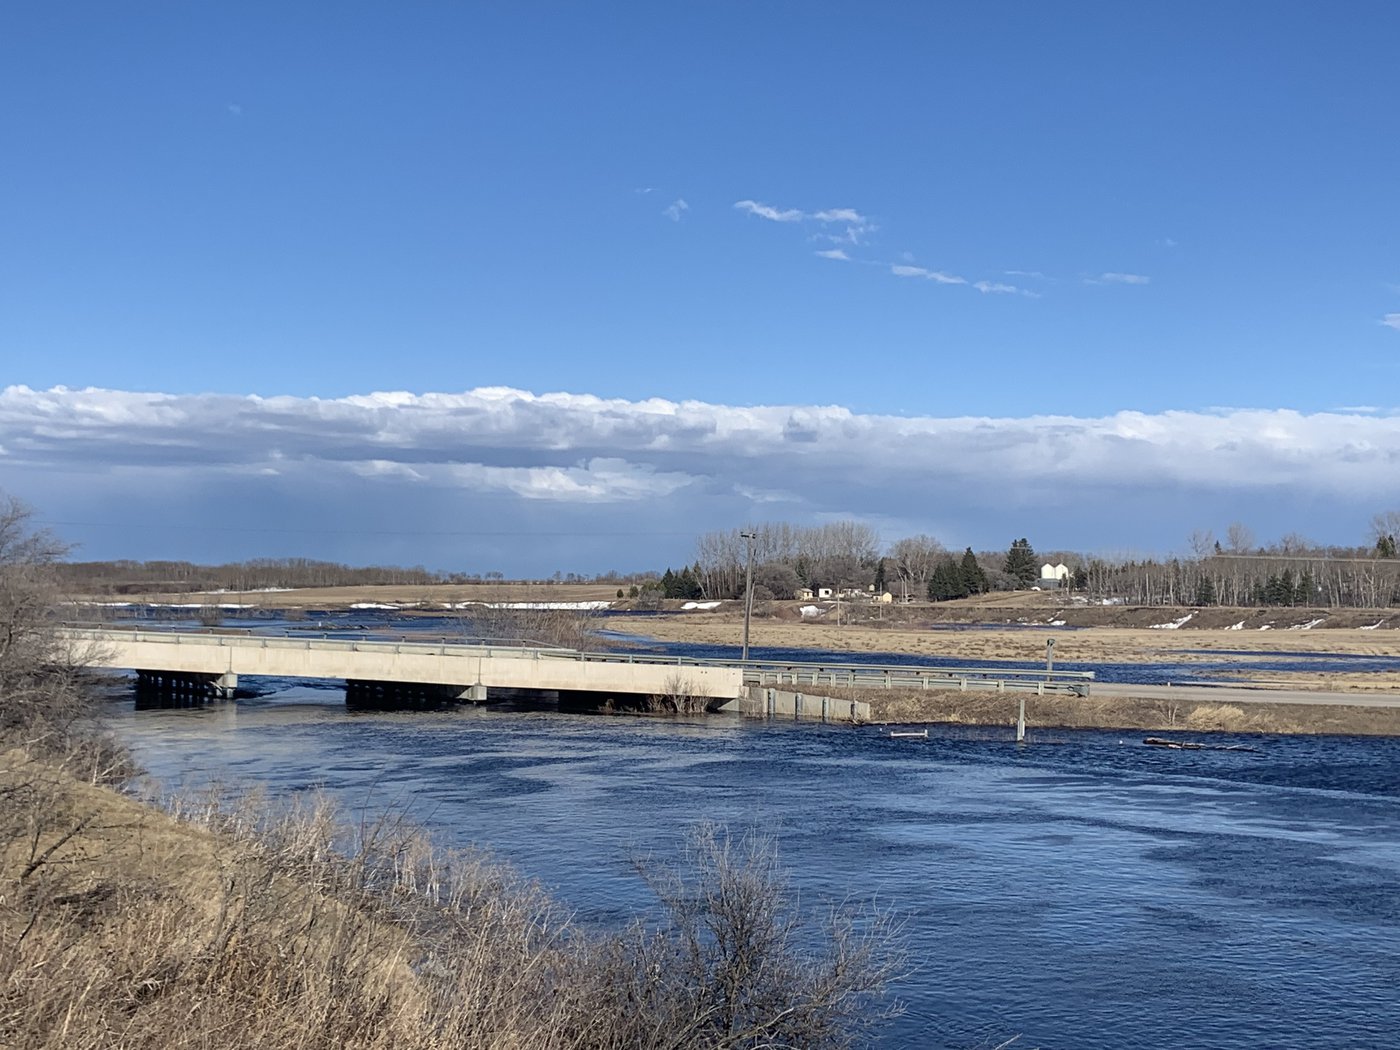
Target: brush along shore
pixel 123 925
pixel 1120 712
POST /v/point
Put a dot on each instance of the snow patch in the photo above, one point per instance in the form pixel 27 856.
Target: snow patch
pixel 1236 626
pixel 1173 625
pixel 373 605
pixel 1307 626
pixel 1054 623
pixel 582 606
pixel 705 606
pixel 1370 626
pixel 810 610
pixel 1267 627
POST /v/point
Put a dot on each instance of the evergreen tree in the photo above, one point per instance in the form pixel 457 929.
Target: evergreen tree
pixel 1205 591
pixel 1385 546
pixel 1020 562
pixel 1306 589
pixel 973 578
pixel 880 577
pixel 1081 578
pixel 946 582
pixel 668 584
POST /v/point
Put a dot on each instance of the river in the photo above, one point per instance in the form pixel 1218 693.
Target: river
pixel 1081 892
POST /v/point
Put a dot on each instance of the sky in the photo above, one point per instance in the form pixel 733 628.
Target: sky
pixel 556 286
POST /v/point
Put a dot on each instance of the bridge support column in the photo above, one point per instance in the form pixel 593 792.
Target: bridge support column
pixel 182 688
pixel 392 696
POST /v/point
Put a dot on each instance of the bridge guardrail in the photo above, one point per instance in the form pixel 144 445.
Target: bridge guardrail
pixel 755 672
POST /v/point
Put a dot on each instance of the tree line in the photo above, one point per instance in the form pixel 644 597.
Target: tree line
pixel 1237 572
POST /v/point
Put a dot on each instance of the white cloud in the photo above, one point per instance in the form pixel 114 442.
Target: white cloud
pixel 764 211
pixel 675 209
pixel 1391 321
pixel 937 276
pixel 234 109
pixel 856 225
pixel 835 253
pixel 996 288
pixel 1120 278
pixel 679 467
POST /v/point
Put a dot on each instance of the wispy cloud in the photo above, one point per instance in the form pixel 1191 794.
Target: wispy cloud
pixel 937 276
pixel 765 211
pixel 676 209
pixel 1391 321
pixel 856 226
pixel 1119 278
pixel 1026 273
pixel 834 253
pixel 234 109
pixel 997 288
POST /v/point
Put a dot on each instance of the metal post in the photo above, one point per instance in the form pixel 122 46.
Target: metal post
pixel 748 593
pixel 1021 720
pixel 1049 657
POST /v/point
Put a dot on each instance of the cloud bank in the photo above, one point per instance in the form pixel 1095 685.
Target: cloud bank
pixel 580 468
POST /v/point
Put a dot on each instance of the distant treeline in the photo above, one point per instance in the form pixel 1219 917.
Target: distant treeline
pixel 183 577
pixel 846 556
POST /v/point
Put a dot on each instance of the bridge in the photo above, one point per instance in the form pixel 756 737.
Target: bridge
pixel 407 672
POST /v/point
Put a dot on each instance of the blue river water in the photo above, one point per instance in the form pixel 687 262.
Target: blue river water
pixel 1084 891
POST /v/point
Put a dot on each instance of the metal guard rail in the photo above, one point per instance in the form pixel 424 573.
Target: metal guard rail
pixel 756 672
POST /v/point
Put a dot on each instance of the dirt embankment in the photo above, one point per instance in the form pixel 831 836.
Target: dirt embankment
pixel 1069 712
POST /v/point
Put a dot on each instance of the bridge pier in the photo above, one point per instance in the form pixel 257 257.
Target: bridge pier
pixel 183 688
pixel 387 696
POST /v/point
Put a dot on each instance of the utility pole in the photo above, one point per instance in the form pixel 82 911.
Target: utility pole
pixel 748 593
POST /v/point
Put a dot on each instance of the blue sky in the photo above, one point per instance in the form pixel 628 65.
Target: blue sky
pixel 1175 229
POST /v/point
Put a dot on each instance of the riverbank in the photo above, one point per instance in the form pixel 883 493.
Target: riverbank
pixel 1123 712
pixel 123 925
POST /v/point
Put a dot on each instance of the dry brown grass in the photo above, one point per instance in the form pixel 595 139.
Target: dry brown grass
pixel 122 926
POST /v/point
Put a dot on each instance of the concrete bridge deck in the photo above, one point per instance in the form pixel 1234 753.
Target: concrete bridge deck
pixel 224 657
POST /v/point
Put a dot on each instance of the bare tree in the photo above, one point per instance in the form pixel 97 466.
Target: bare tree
pixel 1239 538
pixel 915 558
pixel 1202 543
pixel 46 706
pixel 1385 524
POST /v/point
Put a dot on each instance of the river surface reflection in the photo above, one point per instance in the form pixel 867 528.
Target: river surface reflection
pixel 1084 892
